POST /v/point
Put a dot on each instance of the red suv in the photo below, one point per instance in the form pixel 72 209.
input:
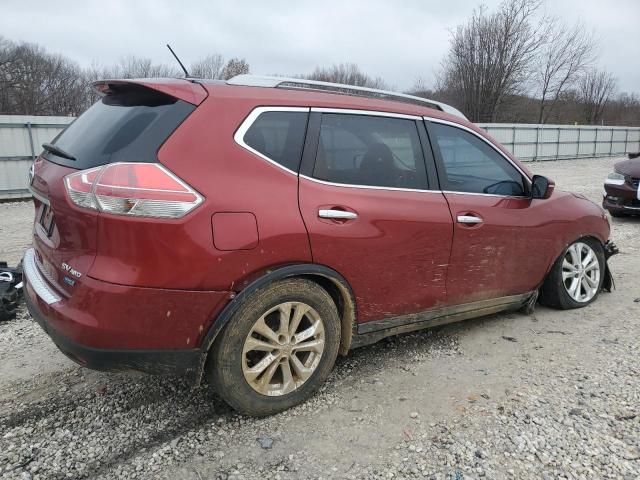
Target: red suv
pixel 246 233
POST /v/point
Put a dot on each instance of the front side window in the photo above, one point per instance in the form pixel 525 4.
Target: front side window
pixel 471 165
pixel 279 136
pixel 369 150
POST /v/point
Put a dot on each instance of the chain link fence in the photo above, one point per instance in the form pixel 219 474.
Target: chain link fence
pixel 530 142
pixel 21 138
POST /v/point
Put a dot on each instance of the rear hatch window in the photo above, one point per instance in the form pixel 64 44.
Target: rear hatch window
pixel 129 124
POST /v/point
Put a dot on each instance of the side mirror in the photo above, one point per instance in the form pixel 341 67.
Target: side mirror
pixel 542 187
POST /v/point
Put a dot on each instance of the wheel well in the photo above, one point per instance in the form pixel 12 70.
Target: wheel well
pixel 564 247
pixel 345 304
pixel 328 279
pixel 581 238
pixel 591 237
pixel 551 294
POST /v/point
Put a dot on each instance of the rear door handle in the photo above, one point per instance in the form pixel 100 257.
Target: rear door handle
pixel 469 219
pixel 337 214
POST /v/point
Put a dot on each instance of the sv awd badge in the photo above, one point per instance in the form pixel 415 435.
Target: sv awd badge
pixel 67 268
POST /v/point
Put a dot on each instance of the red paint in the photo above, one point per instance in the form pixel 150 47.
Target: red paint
pixel 394 255
pixel 234 231
pixel 511 251
pixel 403 254
pixel 108 316
pixel 74 237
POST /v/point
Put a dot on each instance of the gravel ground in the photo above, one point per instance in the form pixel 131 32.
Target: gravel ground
pixel 15 230
pixel 549 395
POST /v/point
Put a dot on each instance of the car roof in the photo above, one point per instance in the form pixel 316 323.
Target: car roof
pixel 283 96
pixel 196 91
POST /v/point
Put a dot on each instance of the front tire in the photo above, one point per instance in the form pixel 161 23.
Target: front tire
pixel 277 349
pixel 576 277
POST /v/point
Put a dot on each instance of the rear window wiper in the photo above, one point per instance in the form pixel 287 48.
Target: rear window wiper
pixel 57 151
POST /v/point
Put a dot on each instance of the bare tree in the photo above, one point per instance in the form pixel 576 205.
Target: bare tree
pixel 595 89
pixel 6 52
pixel 420 85
pixel 565 54
pixel 235 66
pixel 211 66
pixel 346 73
pixel 92 74
pixel 624 110
pixel 127 67
pixel 35 82
pixel 7 57
pixel 491 55
pixel 482 79
pixel 140 67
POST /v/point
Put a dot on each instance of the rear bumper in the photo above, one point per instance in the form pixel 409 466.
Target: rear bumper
pixel 114 327
pixel 168 362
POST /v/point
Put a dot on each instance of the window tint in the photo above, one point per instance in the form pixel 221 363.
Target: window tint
pixel 369 150
pixel 470 165
pixel 128 125
pixel 279 136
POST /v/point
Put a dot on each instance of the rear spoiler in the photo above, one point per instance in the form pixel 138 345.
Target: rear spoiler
pixel 181 89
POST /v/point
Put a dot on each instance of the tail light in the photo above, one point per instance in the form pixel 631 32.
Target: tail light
pixel 135 189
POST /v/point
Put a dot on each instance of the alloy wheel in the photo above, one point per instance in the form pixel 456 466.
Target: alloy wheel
pixel 283 348
pixel 581 272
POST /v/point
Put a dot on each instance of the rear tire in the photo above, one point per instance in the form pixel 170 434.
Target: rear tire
pixel 575 280
pixel 277 349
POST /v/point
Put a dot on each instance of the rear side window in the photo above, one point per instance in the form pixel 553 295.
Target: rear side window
pixel 128 125
pixel 279 136
pixel 370 150
pixel 472 166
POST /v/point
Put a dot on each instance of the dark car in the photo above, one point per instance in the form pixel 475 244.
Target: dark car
pixel 246 233
pixel 622 189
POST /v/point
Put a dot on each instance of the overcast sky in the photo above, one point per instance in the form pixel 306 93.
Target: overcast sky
pixel 400 40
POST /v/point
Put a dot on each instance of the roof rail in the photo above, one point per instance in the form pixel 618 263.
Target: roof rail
pixel 285 82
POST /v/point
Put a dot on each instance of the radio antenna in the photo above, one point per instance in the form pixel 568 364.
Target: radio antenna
pixel 186 74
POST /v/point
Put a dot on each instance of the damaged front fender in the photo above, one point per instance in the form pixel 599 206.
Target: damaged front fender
pixel 610 249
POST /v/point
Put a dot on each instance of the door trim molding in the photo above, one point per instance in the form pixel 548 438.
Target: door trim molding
pixel 368 187
pixel 373 113
pixel 371 332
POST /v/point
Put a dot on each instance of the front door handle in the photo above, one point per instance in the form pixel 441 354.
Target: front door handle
pixel 469 219
pixel 337 214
